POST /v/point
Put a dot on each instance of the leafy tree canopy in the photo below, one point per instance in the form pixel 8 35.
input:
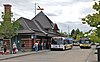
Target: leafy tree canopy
pixel 76 34
pixel 63 34
pixel 94 38
pixel 94 19
pixel 8 29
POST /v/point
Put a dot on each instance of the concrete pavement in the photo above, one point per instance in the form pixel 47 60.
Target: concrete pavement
pixel 91 58
pixel 19 54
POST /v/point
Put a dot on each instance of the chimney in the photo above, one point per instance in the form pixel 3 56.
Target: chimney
pixel 7 8
pixel 7 12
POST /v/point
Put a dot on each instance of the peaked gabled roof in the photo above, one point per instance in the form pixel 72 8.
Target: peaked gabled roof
pixel 40 27
pixel 37 25
pixel 28 26
pixel 24 28
pixel 23 23
pixel 55 26
pixel 43 20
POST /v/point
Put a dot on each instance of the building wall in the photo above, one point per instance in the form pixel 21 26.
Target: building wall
pixel 28 44
pixel 7 41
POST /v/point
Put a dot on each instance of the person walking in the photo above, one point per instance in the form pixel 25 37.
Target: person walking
pixel 33 47
pixel 23 47
pixel 15 50
pixel 42 45
pixel 36 46
pixel 5 48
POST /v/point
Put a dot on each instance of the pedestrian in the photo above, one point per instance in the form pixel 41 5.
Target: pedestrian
pixel 36 46
pixel 33 47
pixel 15 50
pixel 23 47
pixel 5 48
pixel 49 45
pixel 39 45
pixel 44 45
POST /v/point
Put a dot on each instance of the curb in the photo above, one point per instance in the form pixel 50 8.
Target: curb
pixel 24 54
pixel 91 57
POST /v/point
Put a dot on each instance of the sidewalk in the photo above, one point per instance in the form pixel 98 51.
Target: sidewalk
pixel 19 54
pixel 92 57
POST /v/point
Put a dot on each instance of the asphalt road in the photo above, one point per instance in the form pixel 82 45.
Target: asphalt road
pixel 74 55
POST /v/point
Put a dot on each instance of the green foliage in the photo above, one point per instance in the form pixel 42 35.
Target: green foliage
pixel 96 6
pixel 7 16
pixel 76 34
pixel 94 19
pixel 94 38
pixel 78 37
pixel 7 28
pixel 73 31
pixel 63 34
pixel 77 31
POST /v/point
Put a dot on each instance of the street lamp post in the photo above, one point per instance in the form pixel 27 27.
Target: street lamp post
pixel 35 9
pixel 68 30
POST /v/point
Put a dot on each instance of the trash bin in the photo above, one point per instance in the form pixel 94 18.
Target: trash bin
pixel 98 53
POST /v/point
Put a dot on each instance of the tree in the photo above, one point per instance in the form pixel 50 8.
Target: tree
pixel 8 29
pixel 72 32
pixel 77 31
pixel 94 38
pixel 76 34
pixel 63 34
pixel 94 19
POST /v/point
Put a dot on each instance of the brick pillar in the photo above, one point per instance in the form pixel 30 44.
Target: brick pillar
pixel 7 12
pixel 7 8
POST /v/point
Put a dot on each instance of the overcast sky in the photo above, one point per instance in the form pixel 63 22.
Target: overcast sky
pixel 66 13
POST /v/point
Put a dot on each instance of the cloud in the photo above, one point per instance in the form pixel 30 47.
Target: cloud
pixel 82 1
pixel 86 11
pixel 50 14
pixel 73 25
pixel 59 11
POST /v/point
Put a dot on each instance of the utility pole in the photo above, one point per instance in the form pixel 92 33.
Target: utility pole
pixel 39 8
pixel 35 9
pixel 68 30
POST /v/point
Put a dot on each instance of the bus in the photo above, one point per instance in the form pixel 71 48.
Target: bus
pixel 69 43
pixel 85 43
pixel 58 43
pixel 76 43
